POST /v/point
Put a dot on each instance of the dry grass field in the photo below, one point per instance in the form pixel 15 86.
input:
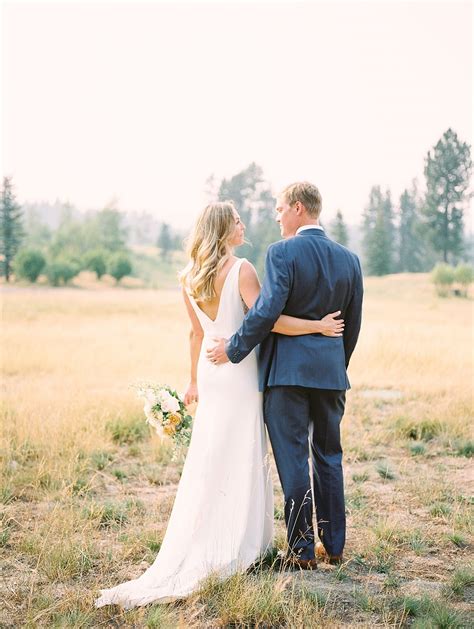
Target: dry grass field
pixel 86 489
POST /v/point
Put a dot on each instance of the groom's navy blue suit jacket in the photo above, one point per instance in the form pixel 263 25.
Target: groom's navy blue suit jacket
pixel 307 276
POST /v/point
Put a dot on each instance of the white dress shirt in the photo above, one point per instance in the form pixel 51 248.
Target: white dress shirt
pixel 303 227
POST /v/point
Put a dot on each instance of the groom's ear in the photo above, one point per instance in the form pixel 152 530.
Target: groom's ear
pixel 299 207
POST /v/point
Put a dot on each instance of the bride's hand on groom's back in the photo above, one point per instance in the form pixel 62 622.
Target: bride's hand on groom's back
pixel 191 394
pixel 330 325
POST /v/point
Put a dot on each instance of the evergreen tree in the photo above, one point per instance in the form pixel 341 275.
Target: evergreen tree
pixel 70 238
pixel 112 235
pixel 256 206
pixel 241 189
pixel 447 170
pixel 165 241
pixel 263 228
pixel 338 230
pixel 37 233
pixel 411 249
pixel 11 227
pixel 378 233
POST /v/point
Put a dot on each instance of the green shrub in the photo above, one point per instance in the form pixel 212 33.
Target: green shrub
pixel 119 266
pixel 62 270
pixel 442 277
pixel 28 264
pixel 464 275
pixel 96 261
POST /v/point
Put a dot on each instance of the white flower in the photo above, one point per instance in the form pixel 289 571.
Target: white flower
pixel 169 404
pixel 154 418
pixel 147 408
pixel 150 396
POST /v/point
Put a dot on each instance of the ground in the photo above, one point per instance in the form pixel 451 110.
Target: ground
pixel 86 489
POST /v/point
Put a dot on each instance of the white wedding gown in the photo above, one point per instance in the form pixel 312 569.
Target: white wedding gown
pixel 222 518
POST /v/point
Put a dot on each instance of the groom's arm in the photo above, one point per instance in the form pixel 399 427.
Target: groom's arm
pixel 353 315
pixel 269 305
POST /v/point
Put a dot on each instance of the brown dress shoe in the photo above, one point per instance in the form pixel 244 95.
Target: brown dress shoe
pixel 302 564
pixel 323 555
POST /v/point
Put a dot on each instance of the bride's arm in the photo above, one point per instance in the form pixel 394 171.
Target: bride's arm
pixel 290 326
pixel 195 341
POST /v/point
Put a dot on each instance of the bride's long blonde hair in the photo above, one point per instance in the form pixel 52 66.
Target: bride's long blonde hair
pixel 208 249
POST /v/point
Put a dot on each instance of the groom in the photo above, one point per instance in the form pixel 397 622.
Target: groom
pixel 304 378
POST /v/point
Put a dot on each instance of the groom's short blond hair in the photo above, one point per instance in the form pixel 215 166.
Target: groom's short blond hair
pixel 307 194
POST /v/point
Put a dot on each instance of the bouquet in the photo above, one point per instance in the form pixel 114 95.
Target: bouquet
pixel 166 412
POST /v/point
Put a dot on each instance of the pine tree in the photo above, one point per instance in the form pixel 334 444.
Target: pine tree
pixel 165 241
pixel 241 189
pixel 264 228
pixel 255 204
pixel 410 251
pixel 338 230
pixel 447 170
pixel 11 227
pixel 378 233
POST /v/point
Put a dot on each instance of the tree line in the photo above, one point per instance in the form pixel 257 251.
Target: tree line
pixel 411 235
pixel 96 242
pixel 421 230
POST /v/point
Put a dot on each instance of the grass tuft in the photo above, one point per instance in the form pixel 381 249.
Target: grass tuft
pixel 440 616
pixel 263 600
pixel 100 459
pixel 419 430
pixel 364 601
pixel 418 449
pixel 462 578
pixel 458 540
pixel 107 514
pixel 440 510
pixel 385 471
pixel 119 474
pixel 465 448
pixel 127 431
pixel 161 617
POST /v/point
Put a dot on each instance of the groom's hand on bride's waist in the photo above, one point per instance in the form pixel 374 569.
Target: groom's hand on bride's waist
pixel 217 354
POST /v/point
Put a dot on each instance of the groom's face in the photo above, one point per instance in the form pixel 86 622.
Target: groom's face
pixel 287 217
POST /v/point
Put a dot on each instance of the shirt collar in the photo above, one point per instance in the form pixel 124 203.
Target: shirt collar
pixel 304 227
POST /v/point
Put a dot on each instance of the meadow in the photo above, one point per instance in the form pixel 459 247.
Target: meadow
pixel 86 488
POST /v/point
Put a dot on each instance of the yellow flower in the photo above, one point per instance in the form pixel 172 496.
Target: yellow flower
pixel 174 419
pixel 169 430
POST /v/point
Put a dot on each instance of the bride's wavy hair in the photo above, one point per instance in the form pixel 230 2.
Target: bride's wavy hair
pixel 208 249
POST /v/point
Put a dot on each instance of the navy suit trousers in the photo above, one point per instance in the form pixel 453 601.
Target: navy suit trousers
pixel 304 425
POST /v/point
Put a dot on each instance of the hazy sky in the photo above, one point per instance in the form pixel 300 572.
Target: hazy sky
pixel 143 101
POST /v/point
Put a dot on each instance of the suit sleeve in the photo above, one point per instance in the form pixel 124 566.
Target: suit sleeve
pixel 353 315
pixel 269 305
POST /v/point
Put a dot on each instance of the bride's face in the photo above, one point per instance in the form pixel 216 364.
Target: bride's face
pixel 238 235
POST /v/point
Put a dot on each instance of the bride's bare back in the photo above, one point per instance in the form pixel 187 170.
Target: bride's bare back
pixel 211 307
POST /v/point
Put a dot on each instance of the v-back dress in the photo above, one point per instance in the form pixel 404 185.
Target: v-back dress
pixel 222 517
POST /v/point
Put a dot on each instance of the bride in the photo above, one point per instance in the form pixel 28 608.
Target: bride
pixel 222 517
